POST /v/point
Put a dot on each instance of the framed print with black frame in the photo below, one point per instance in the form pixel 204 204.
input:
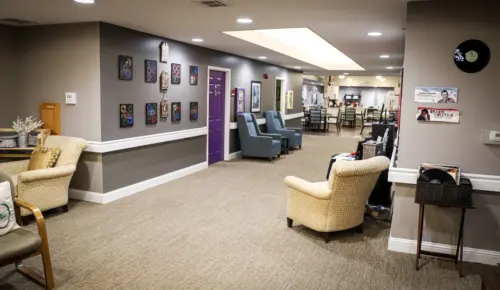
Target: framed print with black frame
pixel 255 92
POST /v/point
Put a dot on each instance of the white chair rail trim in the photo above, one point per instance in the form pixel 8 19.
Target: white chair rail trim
pixel 262 121
pixel 127 143
pixel 410 175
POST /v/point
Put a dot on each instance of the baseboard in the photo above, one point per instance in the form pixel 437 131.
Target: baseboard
pixel 135 188
pixel 234 155
pixel 470 254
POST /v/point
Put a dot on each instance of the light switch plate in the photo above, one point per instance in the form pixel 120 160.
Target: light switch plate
pixel 70 98
pixel 495 136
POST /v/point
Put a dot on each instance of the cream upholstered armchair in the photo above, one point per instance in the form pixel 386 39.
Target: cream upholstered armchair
pixel 46 188
pixel 337 204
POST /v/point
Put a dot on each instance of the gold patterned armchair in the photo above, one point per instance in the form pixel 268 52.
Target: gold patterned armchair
pixel 337 204
pixel 46 188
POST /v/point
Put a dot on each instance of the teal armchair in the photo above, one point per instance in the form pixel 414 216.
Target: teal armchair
pixel 274 124
pixel 253 142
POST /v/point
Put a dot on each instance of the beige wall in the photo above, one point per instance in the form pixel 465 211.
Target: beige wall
pixel 9 75
pixel 62 58
pixel 433 31
pixel 481 228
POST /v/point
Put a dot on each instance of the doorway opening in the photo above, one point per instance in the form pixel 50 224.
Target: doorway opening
pixel 279 104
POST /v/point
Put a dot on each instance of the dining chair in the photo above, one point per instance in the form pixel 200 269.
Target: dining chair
pixel 350 116
pixel 315 119
pixel 335 118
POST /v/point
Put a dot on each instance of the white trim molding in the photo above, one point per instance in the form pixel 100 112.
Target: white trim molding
pixel 470 254
pixel 410 175
pixel 134 188
pixel 235 155
pixel 262 121
pixel 127 143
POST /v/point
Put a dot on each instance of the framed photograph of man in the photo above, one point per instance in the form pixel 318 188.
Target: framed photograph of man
pixel 435 95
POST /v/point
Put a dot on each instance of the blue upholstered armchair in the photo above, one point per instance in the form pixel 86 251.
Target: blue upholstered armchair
pixel 253 142
pixel 274 124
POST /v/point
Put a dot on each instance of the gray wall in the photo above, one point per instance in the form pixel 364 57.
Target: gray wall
pixel 62 58
pixel 88 175
pixel 115 40
pixel 433 32
pixel 9 75
pixel 126 167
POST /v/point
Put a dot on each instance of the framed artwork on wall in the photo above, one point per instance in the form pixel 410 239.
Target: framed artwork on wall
pixel 176 112
pixel 193 111
pixel 240 100
pixel 150 71
pixel 164 80
pixel 125 68
pixel 289 100
pixel 164 52
pixel 176 73
pixel 151 113
pixel 255 91
pixel 193 75
pixel 164 107
pixel 126 115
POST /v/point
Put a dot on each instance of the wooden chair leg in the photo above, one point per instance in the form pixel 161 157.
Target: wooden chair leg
pixel 289 222
pixel 47 267
pixel 326 236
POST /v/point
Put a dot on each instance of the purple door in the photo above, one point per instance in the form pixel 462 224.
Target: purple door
pixel 216 95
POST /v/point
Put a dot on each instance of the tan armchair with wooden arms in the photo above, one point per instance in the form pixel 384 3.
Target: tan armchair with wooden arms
pixel 337 204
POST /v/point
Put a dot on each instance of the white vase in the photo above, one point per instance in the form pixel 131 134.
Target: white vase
pixel 23 140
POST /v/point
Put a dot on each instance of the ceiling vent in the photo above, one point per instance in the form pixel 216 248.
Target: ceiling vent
pixel 16 22
pixel 211 3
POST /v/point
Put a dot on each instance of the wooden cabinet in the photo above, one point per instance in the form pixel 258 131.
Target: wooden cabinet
pixel 50 114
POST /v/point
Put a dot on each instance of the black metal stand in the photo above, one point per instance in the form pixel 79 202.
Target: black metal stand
pixel 458 257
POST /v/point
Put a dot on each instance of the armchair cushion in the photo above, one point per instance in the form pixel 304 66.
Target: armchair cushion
pixel 18 244
pixel 7 214
pixel 43 157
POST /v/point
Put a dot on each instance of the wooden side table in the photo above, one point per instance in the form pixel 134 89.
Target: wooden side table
pixel 458 256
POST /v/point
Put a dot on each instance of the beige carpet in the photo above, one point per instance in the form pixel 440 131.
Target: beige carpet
pixel 225 228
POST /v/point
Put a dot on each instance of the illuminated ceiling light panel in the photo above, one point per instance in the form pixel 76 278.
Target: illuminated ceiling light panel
pixel 302 44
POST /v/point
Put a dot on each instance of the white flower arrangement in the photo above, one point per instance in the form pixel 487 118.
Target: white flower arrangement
pixel 27 125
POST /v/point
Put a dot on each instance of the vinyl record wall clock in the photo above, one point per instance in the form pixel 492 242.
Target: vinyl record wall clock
pixel 472 56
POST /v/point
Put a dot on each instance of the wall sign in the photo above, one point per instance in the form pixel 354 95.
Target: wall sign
pixel 438 115
pixel 436 95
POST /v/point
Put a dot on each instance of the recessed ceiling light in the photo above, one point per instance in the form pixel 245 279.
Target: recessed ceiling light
pixel 85 1
pixel 374 33
pixel 341 77
pixel 197 39
pixel 244 20
pixel 346 74
pixel 302 44
pixel 297 67
pixel 390 67
pixel 384 56
pixel 262 57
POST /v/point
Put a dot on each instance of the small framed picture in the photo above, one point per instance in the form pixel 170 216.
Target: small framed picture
pixel 193 111
pixel 164 107
pixel 151 113
pixel 150 71
pixel 175 74
pixel 176 112
pixel 240 100
pixel 126 115
pixel 193 75
pixel 164 52
pixel 125 68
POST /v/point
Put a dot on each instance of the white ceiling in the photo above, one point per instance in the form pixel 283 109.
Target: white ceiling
pixel 343 23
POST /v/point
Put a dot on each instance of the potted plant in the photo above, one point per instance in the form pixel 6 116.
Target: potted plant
pixel 24 127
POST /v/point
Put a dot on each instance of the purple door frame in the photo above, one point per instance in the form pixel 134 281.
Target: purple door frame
pixel 216 109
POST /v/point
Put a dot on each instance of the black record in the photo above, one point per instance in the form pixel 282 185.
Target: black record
pixel 438 176
pixel 472 56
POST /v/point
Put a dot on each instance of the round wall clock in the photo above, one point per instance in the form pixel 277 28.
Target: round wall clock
pixel 472 56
